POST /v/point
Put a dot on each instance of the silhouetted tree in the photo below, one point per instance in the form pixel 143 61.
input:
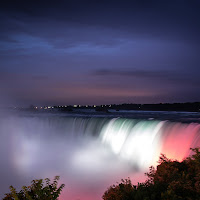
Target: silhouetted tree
pixel 122 191
pixel 37 191
pixel 172 180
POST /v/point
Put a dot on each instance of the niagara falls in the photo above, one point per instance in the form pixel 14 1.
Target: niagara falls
pixel 99 100
pixel 89 152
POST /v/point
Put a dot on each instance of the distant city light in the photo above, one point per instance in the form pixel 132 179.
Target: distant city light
pixel 75 106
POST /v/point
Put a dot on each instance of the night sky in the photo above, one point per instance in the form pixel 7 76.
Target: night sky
pixel 99 52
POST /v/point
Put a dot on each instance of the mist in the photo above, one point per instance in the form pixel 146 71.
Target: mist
pixel 88 153
pixel 33 148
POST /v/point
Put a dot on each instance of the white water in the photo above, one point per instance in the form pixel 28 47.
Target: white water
pixel 88 153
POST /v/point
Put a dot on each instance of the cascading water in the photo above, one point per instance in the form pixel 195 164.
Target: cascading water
pixel 89 153
pixel 142 142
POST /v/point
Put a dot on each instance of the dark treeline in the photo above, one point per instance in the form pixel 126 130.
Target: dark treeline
pixel 187 107
pixel 190 107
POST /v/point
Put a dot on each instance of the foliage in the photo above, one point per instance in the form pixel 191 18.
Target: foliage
pixel 37 191
pixel 122 191
pixel 172 180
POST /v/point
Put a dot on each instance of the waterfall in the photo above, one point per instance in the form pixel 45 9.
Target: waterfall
pixel 88 149
pixel 142 141
pixel 139 142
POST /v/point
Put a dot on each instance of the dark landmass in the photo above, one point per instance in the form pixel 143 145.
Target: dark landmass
pixel 184 107
pixel 187 107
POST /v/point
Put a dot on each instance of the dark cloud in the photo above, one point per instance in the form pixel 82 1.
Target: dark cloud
pixel 135 73
pixel 174 19
pixel 163 75
pixel 174 85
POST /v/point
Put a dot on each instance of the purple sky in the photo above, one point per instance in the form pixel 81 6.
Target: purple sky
pixel 99 52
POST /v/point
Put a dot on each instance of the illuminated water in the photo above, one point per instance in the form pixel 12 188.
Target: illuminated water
pixel 88 152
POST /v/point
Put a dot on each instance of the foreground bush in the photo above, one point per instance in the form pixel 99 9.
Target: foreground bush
pixel 172 180
pixel 37 191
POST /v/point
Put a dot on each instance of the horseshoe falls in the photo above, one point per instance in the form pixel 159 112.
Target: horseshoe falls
pixel 89 153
